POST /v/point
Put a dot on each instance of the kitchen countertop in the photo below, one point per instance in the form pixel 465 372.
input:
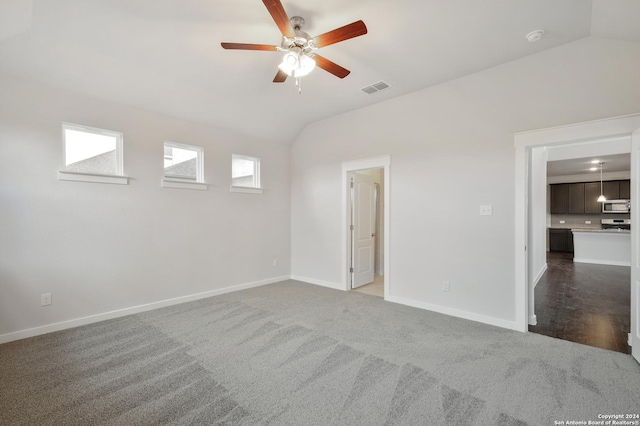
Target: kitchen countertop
pixel 602 231
pixel 575 226
pixel 602 246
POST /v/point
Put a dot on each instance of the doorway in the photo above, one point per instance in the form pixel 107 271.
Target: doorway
pixel 377 217
pixel 367 233
pixel 525 143
pixel 583 292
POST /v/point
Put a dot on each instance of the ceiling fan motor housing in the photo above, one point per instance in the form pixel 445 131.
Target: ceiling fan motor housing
pixel 297 22
pixel 302 39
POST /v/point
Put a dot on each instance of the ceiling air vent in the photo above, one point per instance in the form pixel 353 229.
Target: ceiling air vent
pixel 375 87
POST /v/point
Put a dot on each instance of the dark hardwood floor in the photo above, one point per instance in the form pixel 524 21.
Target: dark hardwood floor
pixel 584 303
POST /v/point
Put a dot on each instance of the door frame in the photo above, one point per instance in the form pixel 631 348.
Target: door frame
pixel 628 125
pixel 381 162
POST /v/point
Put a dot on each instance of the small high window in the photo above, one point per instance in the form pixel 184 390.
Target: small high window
pixel 183 162
pixel 245 171
pixel 92 151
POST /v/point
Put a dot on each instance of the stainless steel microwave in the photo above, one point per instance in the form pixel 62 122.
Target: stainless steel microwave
pixel 616 206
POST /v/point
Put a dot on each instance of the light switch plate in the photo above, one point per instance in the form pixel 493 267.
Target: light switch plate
pixel 486 210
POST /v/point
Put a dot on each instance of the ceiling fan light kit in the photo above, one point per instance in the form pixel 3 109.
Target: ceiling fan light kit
pixel 297 66
pixel 299 58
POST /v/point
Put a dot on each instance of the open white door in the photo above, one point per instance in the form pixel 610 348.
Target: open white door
pixel 363 233
pixel 635 245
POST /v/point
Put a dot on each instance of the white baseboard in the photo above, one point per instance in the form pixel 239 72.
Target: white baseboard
pixel 335 286
pixel 602 262
pixel 533 320
pixel 512 325
pixel 540 274
pixel 498 322
pixel 63 325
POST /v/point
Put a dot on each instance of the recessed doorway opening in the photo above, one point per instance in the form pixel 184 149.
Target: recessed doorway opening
pixel 529 235
pixel 367 231
pixel 365 253
pixel 583 294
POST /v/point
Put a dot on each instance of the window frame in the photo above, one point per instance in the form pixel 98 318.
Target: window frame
pixel 95 177
pixel 185 182
pixel 257 188
pixel 199 161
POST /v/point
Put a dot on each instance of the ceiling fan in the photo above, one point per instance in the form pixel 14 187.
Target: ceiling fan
pixel 300 57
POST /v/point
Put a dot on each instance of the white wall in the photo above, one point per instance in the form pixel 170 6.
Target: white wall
pixel 99 248
pixel 623 175
pixel 452 150
pixel 537 240
pixel 537 244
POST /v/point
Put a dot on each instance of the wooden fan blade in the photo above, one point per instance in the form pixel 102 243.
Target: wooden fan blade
pixel 280 77
pixel 248 46
pixel 280 17
pixel 331 67
pixel 352 30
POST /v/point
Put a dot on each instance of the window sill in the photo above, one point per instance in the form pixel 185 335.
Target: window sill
pixel 182 184
pixel 245 190
pixel 92 178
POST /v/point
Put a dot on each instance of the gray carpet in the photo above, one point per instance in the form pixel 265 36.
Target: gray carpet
pixel 296 354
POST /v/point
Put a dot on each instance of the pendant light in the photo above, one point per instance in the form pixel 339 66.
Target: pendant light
pixel 601 198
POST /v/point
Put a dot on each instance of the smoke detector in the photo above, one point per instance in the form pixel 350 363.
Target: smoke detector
pixel 534 36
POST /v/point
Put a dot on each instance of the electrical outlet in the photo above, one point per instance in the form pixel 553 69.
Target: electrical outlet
pixel 486 210
pixel 45 299
pixel 587 222
pixel 446 286
pixel 562 221
pixel 275 262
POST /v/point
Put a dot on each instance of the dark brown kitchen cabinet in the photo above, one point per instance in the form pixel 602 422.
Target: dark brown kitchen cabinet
pixel 560 240
pixel 576 198
pixel 611 189
pixel 591 194
pixel 582 198
pixel 625 189
pixel 567 198
pixel 559 198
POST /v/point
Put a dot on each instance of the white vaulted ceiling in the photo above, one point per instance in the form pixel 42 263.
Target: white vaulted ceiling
pixel 165 55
